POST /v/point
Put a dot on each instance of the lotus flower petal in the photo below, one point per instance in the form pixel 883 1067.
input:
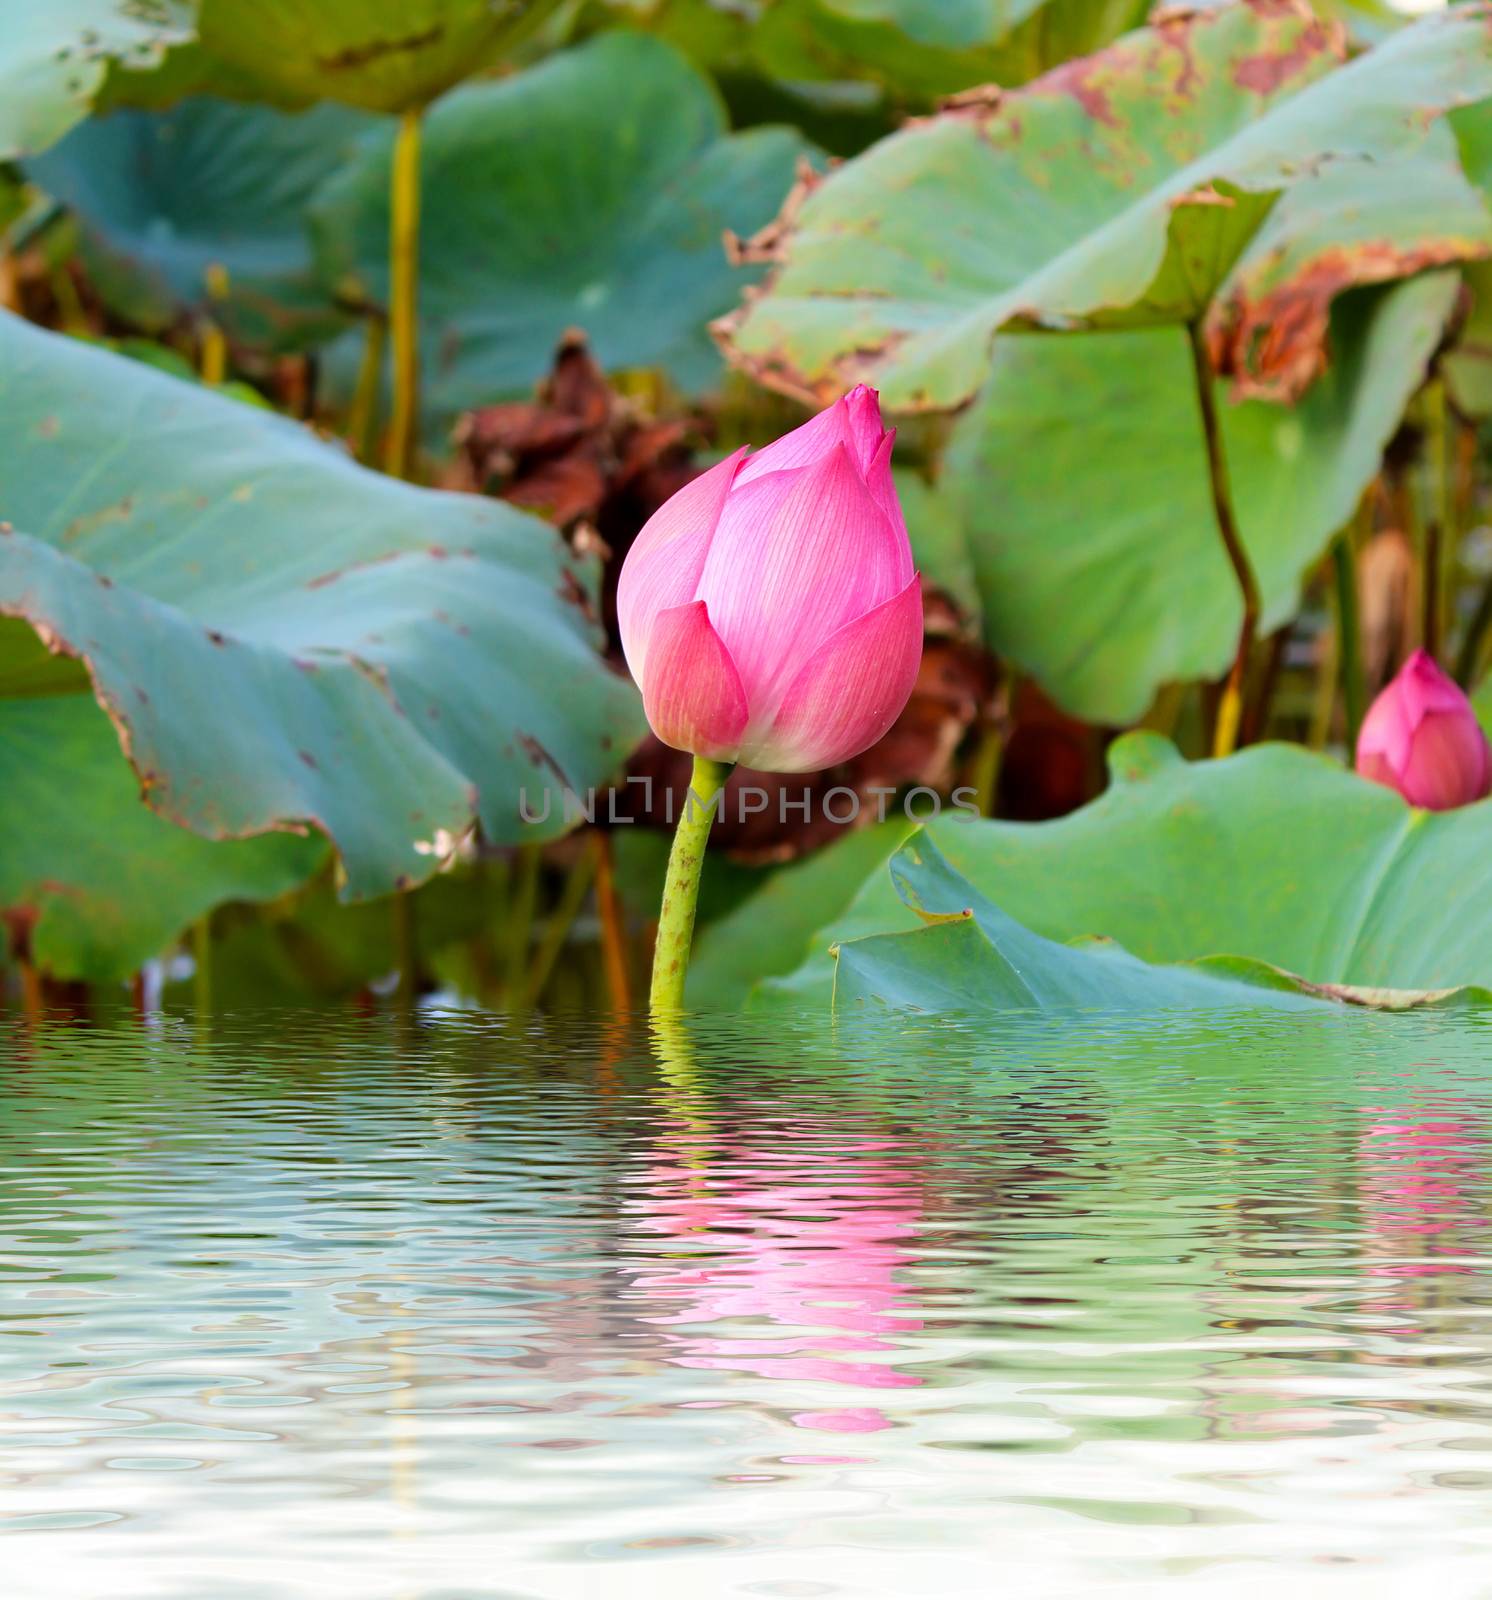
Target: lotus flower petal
pixel 691 690
pixel 1421 737
pixel 1448 766
pixel 848 694
pixel 663 566
pixel 882 486
pixel 775 590
pixel 853 421
pixel 779 585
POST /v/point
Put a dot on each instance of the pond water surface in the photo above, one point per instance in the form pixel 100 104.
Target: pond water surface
pixel 461 1308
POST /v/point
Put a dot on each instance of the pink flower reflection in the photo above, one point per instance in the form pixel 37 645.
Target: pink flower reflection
pixel 1421 1173
pixel 854 1419
pixel 801 1236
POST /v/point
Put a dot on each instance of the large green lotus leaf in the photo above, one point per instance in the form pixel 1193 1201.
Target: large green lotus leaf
pixel 937 526
pixel 591 191
pixel 96 881
pixel 379 55
pixel 768 933
pixel 28 668
pixel 57 55
pixel 165 197
pixel 64 60
pixel 1122 189
pixel 921 49
pixel 974 957
pixel 947 24
pixel 1481 703
pixel 1274 855
pixel 282 637
pixel 1080 479
pixel 1467 366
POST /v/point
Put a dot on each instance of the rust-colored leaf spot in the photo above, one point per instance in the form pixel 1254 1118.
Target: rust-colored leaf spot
pixel 365 54
pixel 1270 70
pixel 572 592
pixel 541 757
pixel 1086 81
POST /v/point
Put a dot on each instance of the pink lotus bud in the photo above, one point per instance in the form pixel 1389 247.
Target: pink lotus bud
pixel 1421 737
pixel 770 610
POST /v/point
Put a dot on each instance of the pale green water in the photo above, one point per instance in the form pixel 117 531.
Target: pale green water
pixel 465 1309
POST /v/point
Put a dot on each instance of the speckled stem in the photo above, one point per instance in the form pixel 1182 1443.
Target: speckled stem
pixel 681 887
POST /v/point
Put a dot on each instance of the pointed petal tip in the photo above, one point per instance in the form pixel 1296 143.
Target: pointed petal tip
pixel 1427 687
pixel 862 412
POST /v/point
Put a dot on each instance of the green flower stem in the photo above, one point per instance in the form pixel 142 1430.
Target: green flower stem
pixel 362 415
pixel 213 355
pixel 1468 659
pixel 523 900
pixel 1230 706
pixel 681 886
pixel 1349 634
pixel 572 897
pixel 406 946
pixel 202 963
pixel 984 769
pixel 404 255
pixel 1439 540
pixel 613 928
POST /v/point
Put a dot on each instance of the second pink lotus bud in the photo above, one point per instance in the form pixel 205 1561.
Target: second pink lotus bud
pixel 1422 737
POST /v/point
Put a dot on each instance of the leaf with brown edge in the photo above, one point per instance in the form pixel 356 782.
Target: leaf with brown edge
pixel 1121 190
pixel 283 639
pixel 1353 224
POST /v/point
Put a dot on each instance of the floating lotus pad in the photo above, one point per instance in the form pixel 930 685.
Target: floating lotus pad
pixel 1273 856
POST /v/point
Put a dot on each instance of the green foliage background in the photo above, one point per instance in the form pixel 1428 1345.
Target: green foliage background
pixel 239 668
